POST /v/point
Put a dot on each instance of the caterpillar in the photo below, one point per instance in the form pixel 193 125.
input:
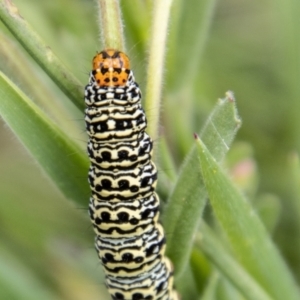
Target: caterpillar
pixel 124 208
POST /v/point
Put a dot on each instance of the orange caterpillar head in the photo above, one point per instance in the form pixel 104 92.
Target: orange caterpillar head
pixel 111 68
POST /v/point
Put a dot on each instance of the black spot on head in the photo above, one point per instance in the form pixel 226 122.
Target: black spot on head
pixel 98 81
pixel 123 185
pixel 104 70
pixel 118 70
pixel 127 257
pixel 124 80
pixel 116 54
pixel 106 183
pixel 104 54
pixel 115 79
pixel 123 217
pixel 105 216
pixel 107 80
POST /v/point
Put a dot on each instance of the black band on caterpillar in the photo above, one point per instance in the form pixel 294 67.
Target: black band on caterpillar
pixel 124 207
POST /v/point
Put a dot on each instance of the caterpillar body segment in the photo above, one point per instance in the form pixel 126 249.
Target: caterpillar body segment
pixel 124 208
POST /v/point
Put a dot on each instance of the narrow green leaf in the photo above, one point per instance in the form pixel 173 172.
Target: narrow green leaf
pixel 228 266
pixel 166 162
pixel 15 65
pixel 288 32
pixel 59 156
pixel 187 288
pixel 188 35
pixel 210 291
pixel 137 15
pixel 246 234
pixel 226 291
pixel 269 209
pixel 188 198
pixel 41 53
pixel 20 282
pixel 294 167
pixel 163 188
pixel 201 268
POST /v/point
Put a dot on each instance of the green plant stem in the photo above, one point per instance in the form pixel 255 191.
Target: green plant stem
pixel 156 64
pixel 111 26
pixel 41 53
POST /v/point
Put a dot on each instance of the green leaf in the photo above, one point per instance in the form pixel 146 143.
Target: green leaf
pixel 137 15
pixel 41 53
pixel 58 155
pixel 15 65
pixel 226 291
pixel 294 168
pixel 166 162
pixel 210 290
pixel 187 288
pixel 269 209
pixel 188 198
pixel 245 232
pixel 228 266
pixel 201 268
pixel 188 35
pixel 19 282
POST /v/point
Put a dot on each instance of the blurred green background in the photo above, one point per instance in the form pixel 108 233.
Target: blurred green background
pixel 251 48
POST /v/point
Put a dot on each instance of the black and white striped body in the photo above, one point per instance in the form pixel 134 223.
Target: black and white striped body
pixel 124 207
